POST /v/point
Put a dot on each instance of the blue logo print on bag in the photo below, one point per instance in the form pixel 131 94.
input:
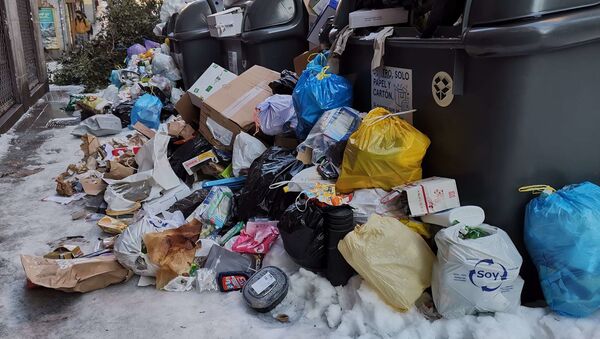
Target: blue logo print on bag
pixel 488 275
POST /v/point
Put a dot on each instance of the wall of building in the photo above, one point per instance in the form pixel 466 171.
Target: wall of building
pixel 23 59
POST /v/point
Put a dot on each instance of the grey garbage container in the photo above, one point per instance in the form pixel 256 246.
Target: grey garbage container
pixel 193 47
pixel 516 104
pixel 273 33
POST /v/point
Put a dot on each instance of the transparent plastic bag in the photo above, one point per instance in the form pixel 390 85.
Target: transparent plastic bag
pixel 333 126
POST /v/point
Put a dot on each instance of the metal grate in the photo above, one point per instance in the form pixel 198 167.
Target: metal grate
pixel 7 95
pixel 29 45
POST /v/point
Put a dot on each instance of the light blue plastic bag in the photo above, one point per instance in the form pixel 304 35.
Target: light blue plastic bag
pixel 562 235
pixel 316 92
pixel 147 111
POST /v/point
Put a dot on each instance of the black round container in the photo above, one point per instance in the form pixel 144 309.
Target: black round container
pixel 339 221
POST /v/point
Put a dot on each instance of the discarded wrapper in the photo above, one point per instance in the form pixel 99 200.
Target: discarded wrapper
pixel 65 252
pixel 112 225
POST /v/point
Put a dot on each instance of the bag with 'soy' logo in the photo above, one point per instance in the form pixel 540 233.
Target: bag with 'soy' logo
pixel 476 273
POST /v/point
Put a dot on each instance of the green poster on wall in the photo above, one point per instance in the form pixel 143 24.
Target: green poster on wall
pixel 48 28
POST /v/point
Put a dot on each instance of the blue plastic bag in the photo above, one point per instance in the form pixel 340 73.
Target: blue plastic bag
pixel 316 92
pixel 147 111
pixel 562 235
pixel 115 78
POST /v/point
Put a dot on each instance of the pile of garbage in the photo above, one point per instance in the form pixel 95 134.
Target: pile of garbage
pixel 194 196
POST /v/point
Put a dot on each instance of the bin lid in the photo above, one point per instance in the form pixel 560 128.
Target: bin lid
pixel 488 11
pixel 192 19
pixel 268 13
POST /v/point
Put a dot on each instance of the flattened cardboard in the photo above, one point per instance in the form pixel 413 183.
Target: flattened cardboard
pixel 213 79
pixel 187 110
pixel 93 186
pixel 232 107
pixel 147 132
pixel 302 60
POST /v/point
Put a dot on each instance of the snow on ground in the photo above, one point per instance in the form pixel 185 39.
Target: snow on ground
pixel 314 307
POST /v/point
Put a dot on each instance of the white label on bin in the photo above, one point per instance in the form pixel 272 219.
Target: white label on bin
pixel 233 61
pixel 263 283
pixel 391 88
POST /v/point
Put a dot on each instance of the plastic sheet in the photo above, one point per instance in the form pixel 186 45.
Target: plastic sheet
pixel 399 274
pixel 316 92
pixel 384 152
pixel 562 233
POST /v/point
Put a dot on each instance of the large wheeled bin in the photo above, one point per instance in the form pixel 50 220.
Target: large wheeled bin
pixel 509 99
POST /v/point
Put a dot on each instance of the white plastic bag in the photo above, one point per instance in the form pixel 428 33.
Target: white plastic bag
pixel 111 93
pixel 276 115
pixel 128 245
pixel 476 275
pixel 164 65
pixel 171 6
pixel 246 149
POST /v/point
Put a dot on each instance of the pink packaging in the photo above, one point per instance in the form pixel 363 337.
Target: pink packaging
pixel 257 237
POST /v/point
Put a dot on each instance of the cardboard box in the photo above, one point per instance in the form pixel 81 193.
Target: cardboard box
pixel 209 83
pixel 231 109
pixel 427 196
pixel 303 59
pixel 226 23
pixel 329 11
pixel 377 17
pixel 186 109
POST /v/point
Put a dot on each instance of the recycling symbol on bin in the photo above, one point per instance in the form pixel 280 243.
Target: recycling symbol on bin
pixel 488 275
pixel 441 87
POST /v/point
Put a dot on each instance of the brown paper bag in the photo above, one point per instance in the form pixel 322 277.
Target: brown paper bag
pixel 117 171
pixel 173 250
pixel 74 275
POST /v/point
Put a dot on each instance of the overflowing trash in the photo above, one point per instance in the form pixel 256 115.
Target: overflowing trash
pixel 209 188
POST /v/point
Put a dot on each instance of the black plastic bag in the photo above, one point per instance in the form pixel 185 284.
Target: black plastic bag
pixel 286 84
pixel 188 204
pixel 123 112
pixel 276 164
pixel 303 235
pixel 167 111
pixel 185 152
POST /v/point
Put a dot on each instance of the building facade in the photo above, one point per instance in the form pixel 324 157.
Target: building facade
pixel 23 76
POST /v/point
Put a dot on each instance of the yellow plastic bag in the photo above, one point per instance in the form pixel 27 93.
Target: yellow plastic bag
pixel 384 152
pixel 391 257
